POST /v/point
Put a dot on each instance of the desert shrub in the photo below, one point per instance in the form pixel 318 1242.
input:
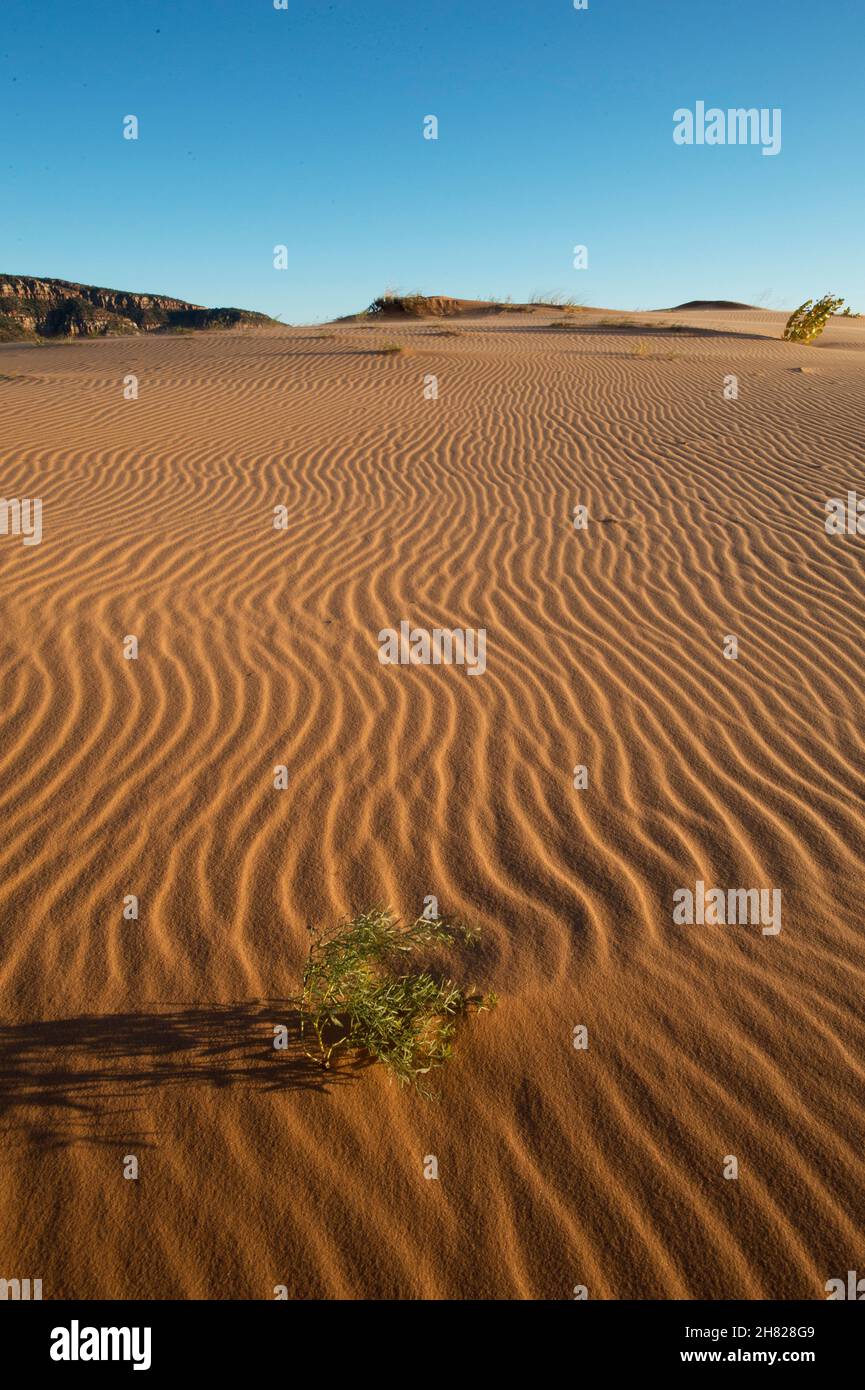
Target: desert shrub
pixel 355 995
pixel 809 320
pixel 11 331
pixel 391 349
pixel 391 302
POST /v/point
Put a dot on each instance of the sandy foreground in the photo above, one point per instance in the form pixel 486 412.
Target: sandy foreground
pixel 558 1167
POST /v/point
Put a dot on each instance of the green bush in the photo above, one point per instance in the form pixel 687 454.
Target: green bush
pixel 11 331
pixel 355 996
pixel 809 320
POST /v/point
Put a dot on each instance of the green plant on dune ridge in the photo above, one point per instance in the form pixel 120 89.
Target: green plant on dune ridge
pixel 808 321
pixel 358 996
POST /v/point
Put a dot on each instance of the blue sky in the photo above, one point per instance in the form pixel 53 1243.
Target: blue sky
pixel 304 127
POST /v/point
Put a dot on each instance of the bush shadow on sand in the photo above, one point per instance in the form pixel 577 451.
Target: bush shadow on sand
pixel 84 1079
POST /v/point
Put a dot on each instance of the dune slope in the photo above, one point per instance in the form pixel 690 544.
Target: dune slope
pixel 257 647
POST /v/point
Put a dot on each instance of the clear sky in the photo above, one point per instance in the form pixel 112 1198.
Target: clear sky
pixel 305 127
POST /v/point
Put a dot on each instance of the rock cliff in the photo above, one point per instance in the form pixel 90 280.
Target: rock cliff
pixel 35 308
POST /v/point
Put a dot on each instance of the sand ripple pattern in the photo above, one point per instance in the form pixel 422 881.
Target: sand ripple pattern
pixel 258 647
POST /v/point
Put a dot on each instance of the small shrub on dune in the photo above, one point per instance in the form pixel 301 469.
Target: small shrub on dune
pixel 357 997
pixel 391 350
pixel 391 302
pixel 556 301
pixel 809 320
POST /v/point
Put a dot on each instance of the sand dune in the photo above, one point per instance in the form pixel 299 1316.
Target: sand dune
pixel 258 647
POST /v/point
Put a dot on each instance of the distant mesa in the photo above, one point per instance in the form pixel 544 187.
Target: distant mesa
pixel 32 308
pixel 710 304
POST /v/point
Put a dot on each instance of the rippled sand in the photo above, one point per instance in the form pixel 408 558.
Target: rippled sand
pixel 257 647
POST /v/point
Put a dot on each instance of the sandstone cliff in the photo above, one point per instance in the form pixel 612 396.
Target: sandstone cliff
pixel 39 308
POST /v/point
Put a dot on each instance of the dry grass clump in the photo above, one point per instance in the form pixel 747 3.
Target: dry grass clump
pixel 557 301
